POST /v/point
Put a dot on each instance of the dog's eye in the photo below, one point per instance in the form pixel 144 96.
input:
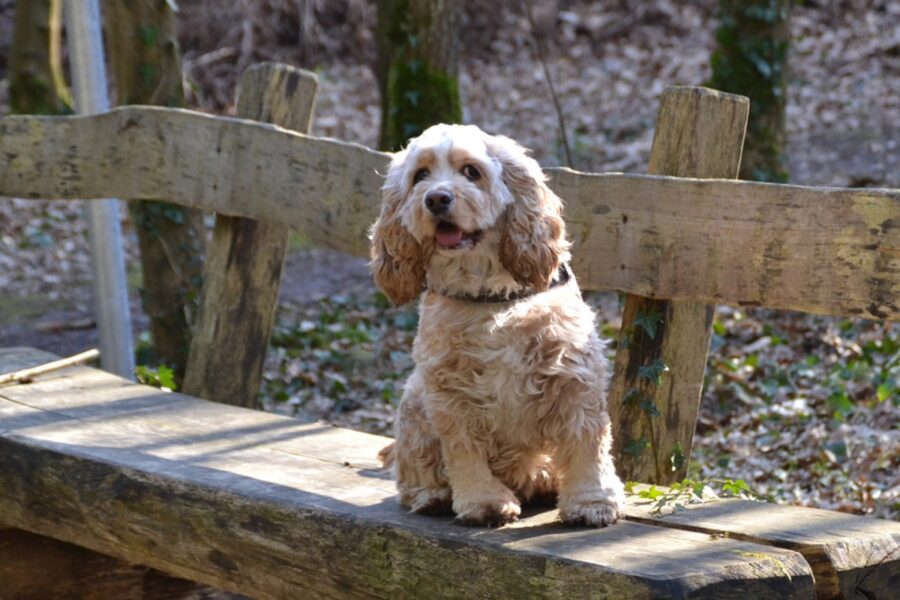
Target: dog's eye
pixel 420 175
pixel 471 172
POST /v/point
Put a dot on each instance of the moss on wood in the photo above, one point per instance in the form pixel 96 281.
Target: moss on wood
pixel 36 84
pixel 421 87
pixel 753 40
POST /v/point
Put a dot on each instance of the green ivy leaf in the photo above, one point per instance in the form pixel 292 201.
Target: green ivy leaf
pixel 636 447
pixel 166 377
pixel 719 327
pixel 650 407
pixel 840 403
pixel 653 372
pixel 652 493
pixel 648 322
pixel 678 457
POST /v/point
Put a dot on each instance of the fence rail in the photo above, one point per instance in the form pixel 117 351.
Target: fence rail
pixel 819 250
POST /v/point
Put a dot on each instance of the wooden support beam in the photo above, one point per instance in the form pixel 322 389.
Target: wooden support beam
pixel 660 363
pixel 35 567
pixel 819 250
pixel 270 507
pixel 243 269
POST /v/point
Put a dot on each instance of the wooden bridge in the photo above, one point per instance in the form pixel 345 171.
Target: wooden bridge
pixel 124 475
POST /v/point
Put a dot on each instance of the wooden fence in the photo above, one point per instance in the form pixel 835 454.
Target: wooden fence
pixel 675 245
pixel 819 250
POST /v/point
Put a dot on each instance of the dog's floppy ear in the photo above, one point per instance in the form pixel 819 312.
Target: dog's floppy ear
pixel 397 259
pixel 533 234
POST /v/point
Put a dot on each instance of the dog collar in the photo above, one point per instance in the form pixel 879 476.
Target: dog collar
pixel 562 278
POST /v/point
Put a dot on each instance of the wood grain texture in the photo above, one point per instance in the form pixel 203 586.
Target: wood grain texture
pixel 820 250
pixel 654 397
pixel 851 557
pixel 246 258
pixel 273 508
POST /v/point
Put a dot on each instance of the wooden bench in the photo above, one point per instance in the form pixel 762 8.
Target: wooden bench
pixel 270 507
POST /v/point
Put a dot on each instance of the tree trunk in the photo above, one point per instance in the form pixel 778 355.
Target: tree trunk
pixel 147 66
pixel 753 40
pixel 418 40
pixel 36 84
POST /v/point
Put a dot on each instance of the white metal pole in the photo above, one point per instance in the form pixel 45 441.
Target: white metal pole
pixel 85 40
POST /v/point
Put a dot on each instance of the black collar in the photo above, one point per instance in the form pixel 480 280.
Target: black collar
pixel 562 278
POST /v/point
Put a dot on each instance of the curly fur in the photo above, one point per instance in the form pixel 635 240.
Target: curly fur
pixel 507 402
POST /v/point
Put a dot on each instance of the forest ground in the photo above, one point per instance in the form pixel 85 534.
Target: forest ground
pixel 804 408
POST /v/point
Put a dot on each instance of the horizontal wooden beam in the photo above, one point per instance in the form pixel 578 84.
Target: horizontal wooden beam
pixel 821 250
pixel 270 507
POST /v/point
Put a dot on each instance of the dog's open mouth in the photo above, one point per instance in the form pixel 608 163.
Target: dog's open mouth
pixel 450 237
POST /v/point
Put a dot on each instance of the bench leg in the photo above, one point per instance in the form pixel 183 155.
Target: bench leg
pixel 34 567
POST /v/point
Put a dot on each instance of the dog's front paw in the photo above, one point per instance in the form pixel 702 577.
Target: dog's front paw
pixel 596 507
pixel 492 511
pixel 592 514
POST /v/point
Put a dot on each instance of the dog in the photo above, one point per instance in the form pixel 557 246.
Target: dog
pixel 506 403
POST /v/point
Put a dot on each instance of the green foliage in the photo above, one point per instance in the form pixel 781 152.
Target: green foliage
pixel 813 397
pixel 161 377
pixel 678 458
pixel 649 322
pixel 653 371
pixel 420 93
pixel 752 49
pixel 867 373
pixel 692 491
pixel 649 407
pixel 420 97
pixel 636 447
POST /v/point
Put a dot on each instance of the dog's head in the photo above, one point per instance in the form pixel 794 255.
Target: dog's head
pixel 454 191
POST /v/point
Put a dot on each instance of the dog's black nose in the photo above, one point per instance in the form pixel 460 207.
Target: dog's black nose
pixel 438 202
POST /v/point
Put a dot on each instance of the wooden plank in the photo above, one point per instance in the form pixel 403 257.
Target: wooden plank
pixel 245 261
pixel 326 189
pixel 273 508
pixel 654 396
pixel 820 250
pixel 851 557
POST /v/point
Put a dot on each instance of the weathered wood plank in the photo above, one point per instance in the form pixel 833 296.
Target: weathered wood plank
pixel 828 251
pixel 273 508
pixel 699 133
pixel 851 557
pixel 329 190
pixel 246 258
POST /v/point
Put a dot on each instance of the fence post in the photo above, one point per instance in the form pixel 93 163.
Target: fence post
pixel 243 268
pixel 663 345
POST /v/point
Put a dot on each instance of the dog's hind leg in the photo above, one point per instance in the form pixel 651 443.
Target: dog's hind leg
pixel 419 467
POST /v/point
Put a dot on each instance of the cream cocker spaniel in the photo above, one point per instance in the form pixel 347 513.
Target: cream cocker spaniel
pixel 507 401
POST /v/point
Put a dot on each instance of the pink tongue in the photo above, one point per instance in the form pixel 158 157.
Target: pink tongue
pixel 448 236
